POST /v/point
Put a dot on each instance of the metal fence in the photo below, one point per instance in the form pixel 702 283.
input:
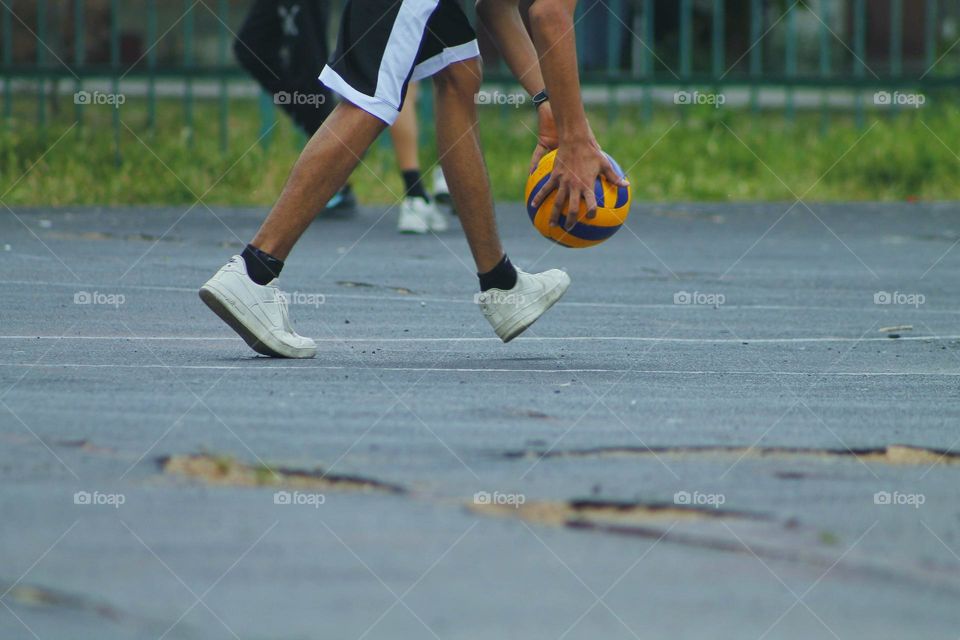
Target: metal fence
pixel 643 51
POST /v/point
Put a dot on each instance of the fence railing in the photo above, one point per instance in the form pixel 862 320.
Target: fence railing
pixel 808 52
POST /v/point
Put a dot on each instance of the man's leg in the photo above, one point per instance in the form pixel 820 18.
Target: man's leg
pixel 241 292
pixel 323 167
pixel 510 299
pixel 458 143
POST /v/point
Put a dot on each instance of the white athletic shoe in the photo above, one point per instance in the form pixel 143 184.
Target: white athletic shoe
pixel 511 312
pixel 441 192
pixel 419 216
pixel 258 313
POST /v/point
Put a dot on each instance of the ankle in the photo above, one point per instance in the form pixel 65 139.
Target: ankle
pixel 261 266
pixel 503 276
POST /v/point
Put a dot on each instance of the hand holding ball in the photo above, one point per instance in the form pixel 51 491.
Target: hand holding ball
pixel 613 206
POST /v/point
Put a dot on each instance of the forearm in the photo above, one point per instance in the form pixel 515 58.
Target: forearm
pixel 553 37
pixel 502 20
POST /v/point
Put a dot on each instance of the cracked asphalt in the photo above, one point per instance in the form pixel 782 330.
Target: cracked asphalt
pixel 703 392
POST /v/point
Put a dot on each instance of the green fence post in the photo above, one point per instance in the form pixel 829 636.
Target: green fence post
pixel 824 65
pixel 686 39
pixel 860 49
pixel 115 74
pixel 41 59
pixel 719 40
pixel 8 62
pixel 791 55
pixel 224 11
pixel 268 117
pixel 649 38
pixel 79 58
pixel 930 33
pixel 188 34
pixel 896 44
pixel 756 60
pixel 614 46
pixel 686 47
pixel 152 66
pixel 896 37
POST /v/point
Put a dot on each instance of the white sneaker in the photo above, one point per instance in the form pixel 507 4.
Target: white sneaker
pixel 511 312
pixel 258 313
pixel 419 216
pixel 441 192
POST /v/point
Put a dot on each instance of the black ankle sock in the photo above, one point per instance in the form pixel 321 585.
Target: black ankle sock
pixel 261 266
pixel 414 186
pixel 503 276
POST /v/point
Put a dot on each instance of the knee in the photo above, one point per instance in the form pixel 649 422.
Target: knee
pixel 462 79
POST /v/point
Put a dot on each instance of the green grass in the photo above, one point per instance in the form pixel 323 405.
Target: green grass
pixel 697 155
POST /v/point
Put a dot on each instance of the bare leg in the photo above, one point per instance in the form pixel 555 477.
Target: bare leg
pixel 404 133
pixel 458 143
pixel 323 167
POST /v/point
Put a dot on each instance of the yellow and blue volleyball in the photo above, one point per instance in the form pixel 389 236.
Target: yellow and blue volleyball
pixel 613 206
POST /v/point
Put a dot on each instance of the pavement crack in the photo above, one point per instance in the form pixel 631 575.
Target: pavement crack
pixel 892 454
pixel 368 285
pixel 726 531
pixel 226 471
pixel 34 596
pixel 602 514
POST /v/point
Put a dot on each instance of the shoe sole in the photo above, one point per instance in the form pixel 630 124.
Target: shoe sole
pixel 218 304
pixel 518 326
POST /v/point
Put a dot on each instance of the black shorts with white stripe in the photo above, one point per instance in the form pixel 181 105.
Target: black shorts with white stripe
pixel 385 44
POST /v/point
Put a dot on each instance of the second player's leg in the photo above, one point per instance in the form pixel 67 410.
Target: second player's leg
pixel 458 144
pixel 323 167
pixel 405 132
pixel 418 213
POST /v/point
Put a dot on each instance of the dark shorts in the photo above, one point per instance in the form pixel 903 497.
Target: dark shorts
pixel 385 44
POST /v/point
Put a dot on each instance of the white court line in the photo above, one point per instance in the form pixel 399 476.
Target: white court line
pixel 468 300
pixel 830 339
pixel 256 363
